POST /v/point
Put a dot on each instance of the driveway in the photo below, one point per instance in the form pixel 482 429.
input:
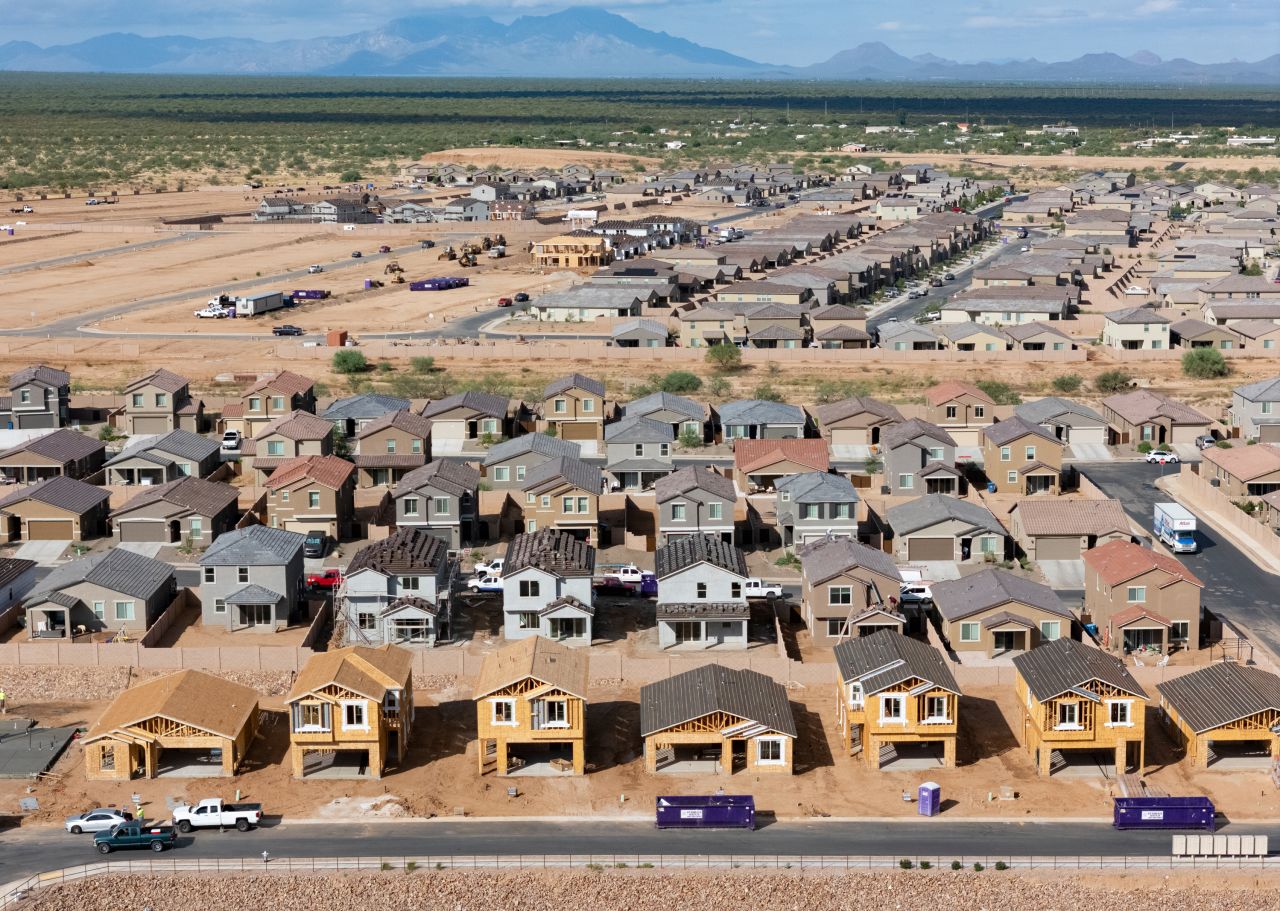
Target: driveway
pixel 1090 452
pixel 1188 452
pixel 146 548
pixel 937 570
pixel 1063 575
pixel 43 552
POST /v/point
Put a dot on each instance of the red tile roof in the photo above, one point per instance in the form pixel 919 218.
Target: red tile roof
pixel 953 389
pixel 751 455
pixel 1139 612
pixel 1119 561
pixel 329 470
pixel 285 381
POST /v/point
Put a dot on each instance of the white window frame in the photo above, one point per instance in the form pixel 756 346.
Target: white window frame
pixel 780 742
pixel 1012 477
pixel 1074 724
pixel 906 481
pixel 410 506
pixel 715 511
pixel 930 717
pixel 845 590
pixel 966 627
pixel 346 704
pixel 1046 625
pixel 1136 594
pixel 493 712
pixel 900 701
pixel 588 406
pixel 678 512
pixel 1030 453
pixel 319 726
pixel 1006 453
pixel 502 473
pixel 546 715
pixel 560 406
pixel 1127 707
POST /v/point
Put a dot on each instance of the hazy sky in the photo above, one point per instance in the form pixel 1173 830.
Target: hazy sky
pixel 1207 31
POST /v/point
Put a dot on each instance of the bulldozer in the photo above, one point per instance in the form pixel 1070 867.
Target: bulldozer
pixel 392 268
pixel 485 242
pixel 447 254
pixel 398 278
pixel 466 260
pixel 472 249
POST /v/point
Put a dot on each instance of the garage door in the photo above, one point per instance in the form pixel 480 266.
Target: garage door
pixel 577 431
pixel 151 424
pixel 135 532
pixel 1059 547
pixel 1269 433
pixel 931 549
pixel 50 530
pixel 302 526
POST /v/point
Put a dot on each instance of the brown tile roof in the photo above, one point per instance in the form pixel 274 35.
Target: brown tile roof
pixel 548 662
pixel 328 470
pixel 369 672
pixel 750 455
pixel 233 410
pixel 285 381
pixel 64 445
pixel 162 379
pixel 1056 516
pixel 188 697
pixel 408 460
pixel 1119 561
pixel 414 424
pixel 858 404
pixel 60 492
pixel 1245 462
pixel 297 425
pixel 40 373
pixel 1139 612
pixel 206 498
pixel 1143 405
pixel 953 389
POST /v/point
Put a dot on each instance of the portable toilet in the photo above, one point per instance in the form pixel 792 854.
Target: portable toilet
pixel 929 799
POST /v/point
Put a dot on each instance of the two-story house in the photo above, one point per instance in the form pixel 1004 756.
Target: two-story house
pixel 351 712
pixel 896 699
pixel 159 403
pixel 270 399
pixel 696 500
pixel 112 590
pixel 390 446
pixel 1136 329
pixel 920 458
pixel 1141 599
pixel 158 460
pixel 753 419
pixel 470 422
pixel 298 433
pixel 961 409
pixel 1075 700
pixel 686 417
pixel 251 578
pixel 39 399
pixel 399 591
pixel 546 587
pixel 351 415
pixel 564 493
pixel 638 452
pixel 64 453
pixel 702 602
pixel 849 590
pixel 1022 458
pixel 853 425
pixel 506 465
pixel 1255 410
pixel 531 710
pixel 997 613
pixel 573 409
pixel 313 493
pixel 440 497
pixel 816 505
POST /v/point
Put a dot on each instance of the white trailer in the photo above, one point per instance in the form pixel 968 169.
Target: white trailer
pixel 259 303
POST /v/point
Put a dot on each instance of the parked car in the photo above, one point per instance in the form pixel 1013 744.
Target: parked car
pixel 96 820
pixel 504 302
pixel 213 813
pixel 929 316
pixel 325 580
pixel 427 244
pixel 492 568
pixel 286 329
pixel 916 294
pixel 356 254
pixel 1206 441
pixel 135 834
pixel 385 248
pixel 486 585
pixel 935 283
pixel 916 594
pixel 521 298
pixel 1162 456
pixel 231 440
pixel 949 277
pixel 315 544
pixel 758 588
pixel 314 269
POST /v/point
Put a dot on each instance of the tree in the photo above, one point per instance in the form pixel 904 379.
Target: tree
pixel 719 388
pixel 872 464
pixel 349 360
pixel 1067 383
pixel 724 357
pixel 1204 364
pixel 690 438
pixel 350 176
pixel 1112 381
pixel 422 364
pixel 679 381
pixel 1253 269
pixel 341 445
pixel 1001 393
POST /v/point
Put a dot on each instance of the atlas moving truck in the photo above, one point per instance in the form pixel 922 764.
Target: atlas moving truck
pixel 259 303
pixel 1175 525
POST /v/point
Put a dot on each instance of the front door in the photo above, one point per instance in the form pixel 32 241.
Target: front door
pixel 255 614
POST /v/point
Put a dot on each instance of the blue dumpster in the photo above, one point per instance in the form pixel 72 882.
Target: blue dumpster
pixel 991 487
pixel 720 811
pixel 929 799
pixel 1164 813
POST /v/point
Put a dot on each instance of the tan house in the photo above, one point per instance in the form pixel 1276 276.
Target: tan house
pixel 268 400
pixel 1136 329
pixel 160 402
pixel 1225 711
pixel 896 699
pixel 1243 472
pixel 1075 700
pixel 573 410
pixel 995 613
pixel 763 292
pixel 186 720
pixel 579 250
pixel 855 421
pixel 531 709
pixel 564 493
pixel 189 509
pixel 961 409
pixel 1146 416
pixel 289 436
pixel 313 493
pixel 849 590
pixel 351 712
pixel 59 509
pixel 390 447
pixel 1141 599
pixel 1061 529
pixel 1022 458
pixel 705 326
pixel 839 326
pixel 63 453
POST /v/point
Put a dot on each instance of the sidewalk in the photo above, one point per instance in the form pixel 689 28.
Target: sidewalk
pixel 1219 515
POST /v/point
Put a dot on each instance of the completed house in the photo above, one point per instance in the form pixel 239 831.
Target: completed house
pixel 961 409
pixel 896 699
pixel 507 464
pixel 856 422
pixel 1022 458
pixel 1078 699
pixel 849 590
pixel 756 420
pixel 158 460
pixel 288 437
pixel 701 599
pixel 1136 329
pixel 1255 410
pixel 638 452
pixel 110 591
pixel 350 416
pixel 161 402
pixel 814 506
pixel 696 500
pixel 573 409
pixel 1070 422
pixel 531 710
pixel 546 589
pixel 564 493
pixel 997 613
pixel 1061 529
pixel 270 399
pixel 1141 599
pixel 39 399
pixel 942 528
pixel 1146 416
pixel 313 493
pixel 399 591
pixel 351 712
pixel 59 509
pixel 762 464
pixel 189 510
pixel 64 453
pixel 440 497
pixel 252 578
pixel 717 719
pixel 470 422
pixel 686 417
pixel 1243 472
pixel 1225 711
pixel 391 446
pixel 920 458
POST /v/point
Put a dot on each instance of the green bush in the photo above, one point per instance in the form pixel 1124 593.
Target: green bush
pixel 956 865
pixel 1001 393
pixel 422 364
pixel 679 381
pixel 766 393
pixel 690 438
pixel 978 868
pixel 724 357
pixel 1067 383
pixel 350 176
pixel 719 388
pixel 926 865
pixel 1001 865
pixel 905 864
pixel 349 360
pixel 1112 381
pixel 1204 364
pixel 1144 447
pixel 1223 444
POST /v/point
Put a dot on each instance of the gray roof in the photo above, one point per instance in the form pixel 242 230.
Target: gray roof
pixel 1220 694
pixel 41 374
pixel 61 492
pixel 664 401
pixel 649 465
pixel 1024 331
pixel 531 442
pixel 64 445
pixel 823 560
pixel 482 402
pixel 1065 664
pixel 711 688
pixel 685 551
pixel 118 570
pixel 456 478
pixel 858 404
pixel 1047 410
pixel 650 327
pixel 254 594
pixel 552 550
pixel 754 411
pixel 957 598
pixel 254 545
pixel 818 487
pixel 1135 315
pixel 180 443
pixel 1261 391
pixel 887 658
pixel 574 471
pixel 364 406
pixel 693 478
pixel 574 381
pixel 912 430
pixel 1008 430
pixel 205 498
pixel 957 332
pixel 888 332
pixel 931 509
pixel 638 430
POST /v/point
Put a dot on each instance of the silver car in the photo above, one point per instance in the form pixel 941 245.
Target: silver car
pixel 96 821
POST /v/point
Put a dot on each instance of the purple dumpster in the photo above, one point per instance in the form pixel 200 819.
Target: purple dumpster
pixel 720 811
pixel 1164 813
pixel 368 283
pixel 310 294
pixel 929 799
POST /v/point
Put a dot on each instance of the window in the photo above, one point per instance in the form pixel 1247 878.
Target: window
pixel 531 526
pixel 1012 477
pixel 196 525
pixel 138 399
pixel 1059 346
pixel 502 474
pixel 391 446
pixel 530 588
pixel 284 496
pixel 555 713
pixel 526 620
pixel 410 583
pixel 970 632
pixel 735 590
pixel 714 510
pixel 935 710
pixel 366 621
pixel 702 591
pixel 490 426
pixel 277 403
pixel 856 696
pixel 219 606
pixel 567 505
pixel 161 400
pixel 545 502
pixel 275 447
pixel 906 481
pixel 415 446
pixel 785 496
pixel 25 397
pixel 979 410
pixel 354 717
pixel 504 711
pixel 1050 630
pixel 891 709
pixel 837 628
pixel 255 404
pixel 840 595
pixel 107 757
pixel 1118 713
pixel 1068 716
pixel 584 506
pixel 639 450
pixel 242 575
pixel 410 506
pixel 1266 407
pixel 809 511
pixel 1006 454
pixel 440 506
pixel 842 511
pixel 935 453
pixel 100 609
pixel 184 468
pixel 770 751
pixel 311 716
pixel 588 406
pixel 1031 454
pixel 124 610
pixel 313 499
pixel 520 470
pixel 952 411
pixel 664 449
pixel 677 512
pixel 1180 631
pixel 1006 317
pixel 209 574
pixel 1137 594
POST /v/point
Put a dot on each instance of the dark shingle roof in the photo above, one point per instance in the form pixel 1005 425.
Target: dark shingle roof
pixel 532 442
pixel 818 487
pixel 363 406
pixel 483 402
pixel 956 598
pixel 576 472
pixel 456 478
pixel 887 658
pixel 412 424
pixel 909 431
pixel 1065 664
pixel 205 498
pixel 574 381
pixel 409 551
pixel 754 411
pixel 1048 410
pixel 685 551
pixel 664 401
pixel 552 550
pixel 693 478
pixel 11 568
pixel 61 492
pixel 1220 694
pixel 41 374
pixel 118 570
pixel 180 443
pixel 170 382
pixel 254 545
pixel 64 445
pixel 638 430
pixel 858 404
pixel 711 688
pixel 1007 431
pixel 254 594
pixel 823 560
pixel 931 509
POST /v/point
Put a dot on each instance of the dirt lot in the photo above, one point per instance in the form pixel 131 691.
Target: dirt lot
pixel 1074 162
pixel 510 157
pixel 615 890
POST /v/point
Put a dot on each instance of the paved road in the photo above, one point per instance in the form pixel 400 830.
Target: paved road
pixel 1235 588
pixel 29 851
pixel 102 254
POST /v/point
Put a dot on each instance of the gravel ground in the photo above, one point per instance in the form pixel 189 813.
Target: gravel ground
pixel 50 683
pixel 700 891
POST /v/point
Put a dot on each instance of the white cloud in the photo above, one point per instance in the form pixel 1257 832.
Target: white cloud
pixel 1152 7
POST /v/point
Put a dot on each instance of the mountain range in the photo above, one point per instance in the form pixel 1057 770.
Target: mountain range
pixel 577 42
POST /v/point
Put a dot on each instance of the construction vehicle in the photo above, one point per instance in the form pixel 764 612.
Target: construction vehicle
pixel 467 260
pixel 392 268
pixel 497 251
pixel 448 253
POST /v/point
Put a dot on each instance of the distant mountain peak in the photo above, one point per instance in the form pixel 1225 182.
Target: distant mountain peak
pixel 1145 58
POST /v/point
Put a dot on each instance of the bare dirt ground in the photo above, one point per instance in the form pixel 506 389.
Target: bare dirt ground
pixel 619 890
pixel 510 157
pixel 1075 162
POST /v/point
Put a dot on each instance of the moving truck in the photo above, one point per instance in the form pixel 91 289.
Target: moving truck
pixel 1175 525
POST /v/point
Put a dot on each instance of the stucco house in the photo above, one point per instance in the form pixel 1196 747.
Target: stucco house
pixel 995 612
pixel 701 599
pixel 112 590
pixel 849 590
pixel 696 500
pixel 1141 599
pixel 942 528
pixel 252 578
pixel 546 590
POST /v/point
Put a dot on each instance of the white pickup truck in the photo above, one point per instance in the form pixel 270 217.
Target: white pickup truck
pixel 492 568
pixel 758 588
pixel 214 814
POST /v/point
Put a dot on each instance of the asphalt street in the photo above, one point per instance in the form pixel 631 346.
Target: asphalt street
pixel 1235 588
pixel 102 254
pixel 27 851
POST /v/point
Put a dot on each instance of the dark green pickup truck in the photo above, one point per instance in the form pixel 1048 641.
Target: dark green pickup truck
pixel 135 834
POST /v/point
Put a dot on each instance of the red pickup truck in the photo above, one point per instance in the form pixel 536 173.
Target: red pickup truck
pixel 329 579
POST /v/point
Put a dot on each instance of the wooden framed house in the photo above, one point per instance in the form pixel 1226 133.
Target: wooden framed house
pixel 1227 716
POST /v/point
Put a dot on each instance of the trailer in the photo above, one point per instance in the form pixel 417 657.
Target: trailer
pixel 719 811
pixel 439 284
pixel 1164 813
pixel 255 304
pixel 312 294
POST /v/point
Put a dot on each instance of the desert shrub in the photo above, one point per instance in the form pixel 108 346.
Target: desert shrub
pixel 1112 381
pixel 1204 364
pixel 348 360
pixel 1067 383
